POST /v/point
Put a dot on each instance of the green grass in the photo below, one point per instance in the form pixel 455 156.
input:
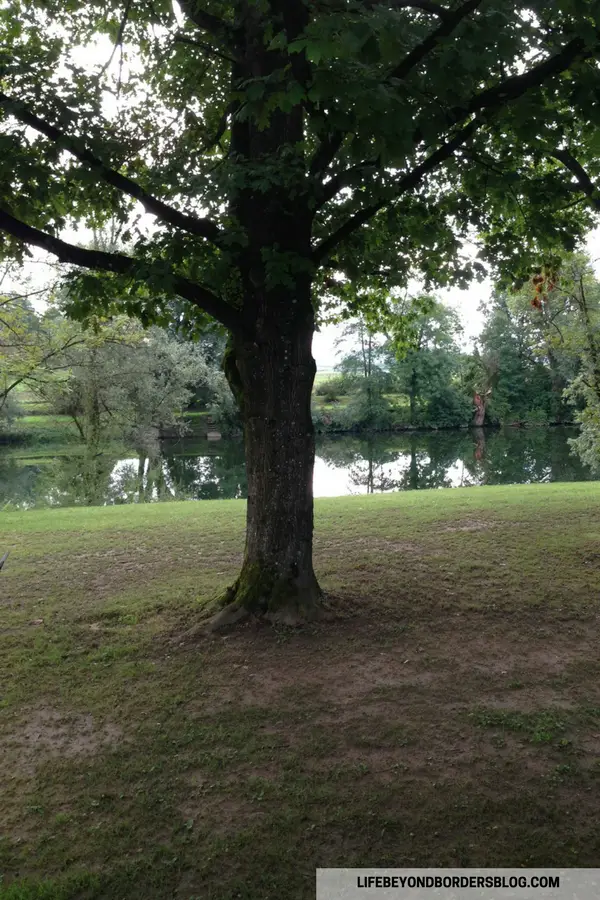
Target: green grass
pixel 45 429
pixel 325 375
pixel 448 716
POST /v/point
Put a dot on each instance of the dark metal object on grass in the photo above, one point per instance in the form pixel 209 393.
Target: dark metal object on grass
pixel 4 558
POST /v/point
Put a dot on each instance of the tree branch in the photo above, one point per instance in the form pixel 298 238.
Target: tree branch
pixel 207 21
pixel 325 153
pixel 407 182
pixel 202 45
pixel 328 149
pixel 343 179
pixel 583 179
pixel 205 228
pixel 450 22
pixel 425 5
pixel 514 87
pixel 120 34
pixel 488 101
pixel 119 264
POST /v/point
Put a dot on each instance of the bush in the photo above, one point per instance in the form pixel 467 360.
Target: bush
pixel 448 409
pixel 537 416
pixel 332 389
pixel 366 412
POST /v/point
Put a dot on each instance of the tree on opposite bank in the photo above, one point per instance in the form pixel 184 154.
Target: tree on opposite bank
pixel 295 157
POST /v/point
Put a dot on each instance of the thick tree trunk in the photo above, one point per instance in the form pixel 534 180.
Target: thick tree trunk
pixel 272 379
pixel 269 362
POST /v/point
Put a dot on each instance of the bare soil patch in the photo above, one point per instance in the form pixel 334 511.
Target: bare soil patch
pixel 402 708
pixel 47 733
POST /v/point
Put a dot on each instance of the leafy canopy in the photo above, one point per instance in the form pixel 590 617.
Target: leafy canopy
pixel 385 131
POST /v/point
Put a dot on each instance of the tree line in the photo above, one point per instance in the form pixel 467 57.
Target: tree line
pixel 534 363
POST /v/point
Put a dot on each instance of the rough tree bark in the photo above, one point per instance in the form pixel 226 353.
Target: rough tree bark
pixel 269 363
pixel 273 379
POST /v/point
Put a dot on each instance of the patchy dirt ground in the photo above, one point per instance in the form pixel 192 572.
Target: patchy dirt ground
pixel 449 714
pixel 48 733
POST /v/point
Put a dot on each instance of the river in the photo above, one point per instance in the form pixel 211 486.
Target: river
pixel 199 469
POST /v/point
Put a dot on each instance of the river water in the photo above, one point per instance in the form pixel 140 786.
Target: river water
pixel 198 469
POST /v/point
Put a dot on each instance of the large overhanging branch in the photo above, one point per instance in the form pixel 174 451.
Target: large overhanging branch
pixel 418 53
pixel 490 102
pixel 119 264
pixel 206 21
pixel 201 227
pixel 514 87
pixel 408 182
pixel 583 179
pixel 329 147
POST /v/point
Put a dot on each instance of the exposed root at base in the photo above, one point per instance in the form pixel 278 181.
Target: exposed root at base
pixel 259 597
pixel 234 613
pixel 218 618
pixel 258 594
pixel 229 615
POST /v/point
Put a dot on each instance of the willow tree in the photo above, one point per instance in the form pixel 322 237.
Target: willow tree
pixel 290 155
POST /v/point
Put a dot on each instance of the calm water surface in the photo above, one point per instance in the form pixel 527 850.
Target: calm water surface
pixel 198 469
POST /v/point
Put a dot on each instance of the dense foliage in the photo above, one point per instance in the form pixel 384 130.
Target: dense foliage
pixel 163 121
pixel 115 381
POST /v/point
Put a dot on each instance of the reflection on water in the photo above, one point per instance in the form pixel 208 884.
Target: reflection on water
pixel 200 470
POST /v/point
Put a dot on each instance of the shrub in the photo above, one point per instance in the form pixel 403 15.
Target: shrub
pixel 332 389
pixel 448 409
pixel 367 412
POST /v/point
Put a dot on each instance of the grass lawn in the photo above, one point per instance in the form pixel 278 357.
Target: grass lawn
pixel 46 429
pixel 449 715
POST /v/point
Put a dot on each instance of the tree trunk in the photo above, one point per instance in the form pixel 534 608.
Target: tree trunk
pixel 413 396
pixel 370 473
pixel 480 403
pixel 272 379
pixel 269 363
pixel 558 385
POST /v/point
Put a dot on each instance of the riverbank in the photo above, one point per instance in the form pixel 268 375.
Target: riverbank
pixel 40 427
pixel 449 716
